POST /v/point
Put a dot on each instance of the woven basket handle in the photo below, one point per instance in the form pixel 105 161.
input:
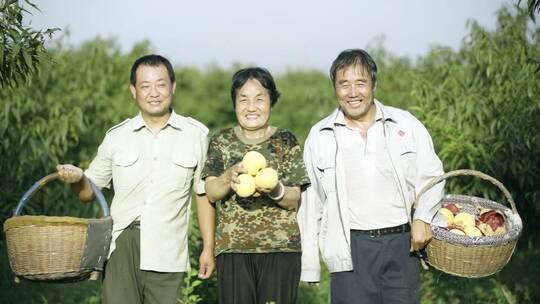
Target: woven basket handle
pixel 466 172
pixel 54 176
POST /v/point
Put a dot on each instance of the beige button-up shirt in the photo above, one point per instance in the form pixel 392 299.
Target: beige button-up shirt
pixel 152 176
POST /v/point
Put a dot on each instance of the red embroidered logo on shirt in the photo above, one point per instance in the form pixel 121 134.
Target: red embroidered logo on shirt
pixel 401 133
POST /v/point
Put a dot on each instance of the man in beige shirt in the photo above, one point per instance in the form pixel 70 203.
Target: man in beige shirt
pixel 153 161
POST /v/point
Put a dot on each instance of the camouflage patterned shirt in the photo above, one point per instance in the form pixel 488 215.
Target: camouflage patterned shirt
pixel 256 224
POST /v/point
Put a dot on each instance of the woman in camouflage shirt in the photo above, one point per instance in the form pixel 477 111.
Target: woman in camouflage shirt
pixel 257 238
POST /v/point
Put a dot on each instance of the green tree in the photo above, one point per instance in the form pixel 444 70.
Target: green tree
pixel 21 48
pixel 481 105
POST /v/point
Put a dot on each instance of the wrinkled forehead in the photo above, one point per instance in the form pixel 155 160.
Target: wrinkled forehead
pixel 356 68
pixel 147 72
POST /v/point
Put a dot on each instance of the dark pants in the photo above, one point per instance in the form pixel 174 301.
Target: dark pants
pixel 252 278
pixel 124 282
pixel 384 271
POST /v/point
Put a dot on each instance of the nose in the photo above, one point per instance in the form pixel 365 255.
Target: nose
pixel 154 92
pixel 251 106
pixel 353 92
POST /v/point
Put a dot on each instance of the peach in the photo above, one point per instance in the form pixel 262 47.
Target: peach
pixel 253 161
pixel 448 214
pixel 246 187
pixel 267 178
pixel 464 219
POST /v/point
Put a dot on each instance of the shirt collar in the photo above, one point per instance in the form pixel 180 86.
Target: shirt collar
pixel 338 117
pixel 176 121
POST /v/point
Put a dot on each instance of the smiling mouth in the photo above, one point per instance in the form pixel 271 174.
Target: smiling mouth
pixel 356 102
pixel 252 117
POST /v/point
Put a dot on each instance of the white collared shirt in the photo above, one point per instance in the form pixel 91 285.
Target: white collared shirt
pixel 373 197
pixel 153 176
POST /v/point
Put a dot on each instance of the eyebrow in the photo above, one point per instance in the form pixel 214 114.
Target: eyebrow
pixel 244 95
pixel 160 79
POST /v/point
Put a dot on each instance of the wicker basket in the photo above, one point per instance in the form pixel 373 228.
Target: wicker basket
pixel 473 257
pixel 57 249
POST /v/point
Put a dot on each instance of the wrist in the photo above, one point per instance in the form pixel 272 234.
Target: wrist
pixel 208 247
pixel 279 194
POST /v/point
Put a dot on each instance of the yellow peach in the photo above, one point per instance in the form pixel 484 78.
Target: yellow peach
pixel 267 178
pixel 448 214
pixel 464 219
pixel 472 231
pixel 253 161
pixel 246 187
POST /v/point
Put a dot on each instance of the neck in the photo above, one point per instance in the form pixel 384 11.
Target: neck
pixel 253 134
pixel 362 122
pixel 156 123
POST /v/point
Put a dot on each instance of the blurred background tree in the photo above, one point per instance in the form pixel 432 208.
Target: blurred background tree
pixel 21 47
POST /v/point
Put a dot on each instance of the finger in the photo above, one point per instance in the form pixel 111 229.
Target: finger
pixel 263 190
pixel 202 272
pixel 235 179
pixel 418 245
pixel 240 168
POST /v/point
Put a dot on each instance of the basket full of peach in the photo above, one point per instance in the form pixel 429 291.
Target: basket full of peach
pixel 479 235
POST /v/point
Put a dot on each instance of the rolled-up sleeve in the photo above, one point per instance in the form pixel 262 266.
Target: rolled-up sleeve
pixel 309 219
pixel 100 169
pixel 429 166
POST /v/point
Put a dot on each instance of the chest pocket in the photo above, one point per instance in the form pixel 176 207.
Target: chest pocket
pixel 182 170
pixel 326 173
pixel 408 156
pixel 125 168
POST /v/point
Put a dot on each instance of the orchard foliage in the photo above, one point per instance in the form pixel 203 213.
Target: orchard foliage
pixel 21 48
pixel 480 104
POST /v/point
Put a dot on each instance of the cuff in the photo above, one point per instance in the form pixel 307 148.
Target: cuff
pixel 310 275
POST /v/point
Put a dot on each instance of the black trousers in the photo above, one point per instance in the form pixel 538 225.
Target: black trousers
pixel 384 272
pixel 253 278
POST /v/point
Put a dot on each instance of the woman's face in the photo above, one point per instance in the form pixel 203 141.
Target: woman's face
pixel 253 106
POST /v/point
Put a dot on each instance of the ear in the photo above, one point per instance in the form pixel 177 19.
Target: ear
pixel 174 87
pixel 374 87
pixel 133 91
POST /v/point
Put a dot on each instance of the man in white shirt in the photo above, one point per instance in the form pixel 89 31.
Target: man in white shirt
pixel 153 161
pixel 366 162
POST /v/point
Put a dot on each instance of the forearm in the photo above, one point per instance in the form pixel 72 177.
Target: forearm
pixel 206 214
pixel 83 190
pixel 290 199
pixel 217 188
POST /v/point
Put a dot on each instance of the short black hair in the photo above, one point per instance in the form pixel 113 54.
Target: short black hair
pixel 261 75
pixel 151 60
pixel 352 57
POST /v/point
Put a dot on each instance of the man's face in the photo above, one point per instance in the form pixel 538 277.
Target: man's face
pixel 153 90
pixel 252 106
pixel 354 91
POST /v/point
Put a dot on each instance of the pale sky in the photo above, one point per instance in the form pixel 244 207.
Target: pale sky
pixel 278 34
